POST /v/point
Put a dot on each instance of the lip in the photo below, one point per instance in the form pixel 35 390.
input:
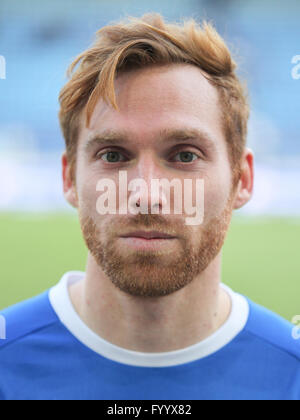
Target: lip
pixel 148 235
pixel 163 243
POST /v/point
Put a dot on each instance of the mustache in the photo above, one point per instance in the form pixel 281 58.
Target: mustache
pixel 153 222
pixel 148 220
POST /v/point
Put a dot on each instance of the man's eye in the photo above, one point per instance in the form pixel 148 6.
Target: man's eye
pixel 186 157
pixel 114 156
pixel 111 157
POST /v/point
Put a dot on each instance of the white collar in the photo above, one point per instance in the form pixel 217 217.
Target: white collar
pixel 61 303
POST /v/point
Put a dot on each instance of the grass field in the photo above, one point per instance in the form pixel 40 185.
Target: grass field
pixel 261 258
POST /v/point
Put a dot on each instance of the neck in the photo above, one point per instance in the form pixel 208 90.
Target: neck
pixel 152 325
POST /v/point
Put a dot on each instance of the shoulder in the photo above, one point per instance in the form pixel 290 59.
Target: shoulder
pixel 271 331
pixel 26 318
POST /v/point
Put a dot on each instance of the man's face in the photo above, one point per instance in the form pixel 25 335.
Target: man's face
pixel 154 102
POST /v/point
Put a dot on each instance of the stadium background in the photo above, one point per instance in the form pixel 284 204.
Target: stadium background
pixel 40 235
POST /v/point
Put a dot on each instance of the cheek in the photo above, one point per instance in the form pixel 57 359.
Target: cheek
pixel 87 192
pixel 87 178
pixel 216 192
pixel 94 192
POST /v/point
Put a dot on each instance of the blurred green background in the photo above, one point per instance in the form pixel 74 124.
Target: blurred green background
pixel 260 259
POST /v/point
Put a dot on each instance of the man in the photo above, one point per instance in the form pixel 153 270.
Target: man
pixel 151 318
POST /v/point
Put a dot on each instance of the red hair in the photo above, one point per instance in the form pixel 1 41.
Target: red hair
pixel 149 40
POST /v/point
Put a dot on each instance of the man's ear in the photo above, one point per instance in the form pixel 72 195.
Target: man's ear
pixel 69 187
pixel 244 188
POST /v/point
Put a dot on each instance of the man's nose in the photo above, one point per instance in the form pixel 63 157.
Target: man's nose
pixel 144 196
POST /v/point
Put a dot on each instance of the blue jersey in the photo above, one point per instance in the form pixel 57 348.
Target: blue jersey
pixel 50 354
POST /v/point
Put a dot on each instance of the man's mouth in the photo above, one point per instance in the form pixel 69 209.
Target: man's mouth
pixel 150 235
pixel 150 241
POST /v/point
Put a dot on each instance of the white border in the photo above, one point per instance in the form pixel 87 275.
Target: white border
pixel 62 305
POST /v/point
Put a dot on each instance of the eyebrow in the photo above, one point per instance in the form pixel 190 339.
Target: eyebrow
pixel 111 137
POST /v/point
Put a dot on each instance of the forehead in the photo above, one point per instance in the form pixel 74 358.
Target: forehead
pixel 159 98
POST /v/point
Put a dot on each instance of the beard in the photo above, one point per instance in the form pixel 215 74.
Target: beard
pixel 155 274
